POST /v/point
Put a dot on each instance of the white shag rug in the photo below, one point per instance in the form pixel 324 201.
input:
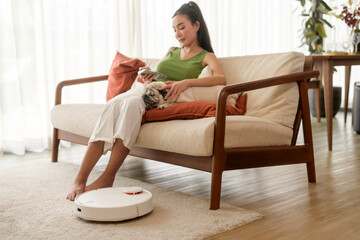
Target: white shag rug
pixel 33 206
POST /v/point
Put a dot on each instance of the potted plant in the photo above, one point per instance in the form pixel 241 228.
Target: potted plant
pixel 313 34
pixel 313 31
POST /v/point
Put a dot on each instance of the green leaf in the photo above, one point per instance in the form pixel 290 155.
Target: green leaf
pixel 323 10
pixel 320 29
pixel 308 42
pixel 325 5
pixel 319 48
pixel 311 49
pixel 325 22
pixel 302 2
pixel 316 38
pixel 310 35
pixel 311 9
pixel 304 11
pixel 310 22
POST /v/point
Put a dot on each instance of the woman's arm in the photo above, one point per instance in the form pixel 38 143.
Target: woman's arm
pixel 217 78
pixel 218 75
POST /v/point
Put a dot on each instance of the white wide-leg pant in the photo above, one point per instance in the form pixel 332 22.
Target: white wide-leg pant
pixel 121 118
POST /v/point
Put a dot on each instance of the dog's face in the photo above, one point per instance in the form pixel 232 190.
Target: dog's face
pixel 152 96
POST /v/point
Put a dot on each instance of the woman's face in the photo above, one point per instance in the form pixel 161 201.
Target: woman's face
pixel 185 31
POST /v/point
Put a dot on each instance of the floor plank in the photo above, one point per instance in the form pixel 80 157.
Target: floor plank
pixel 293 208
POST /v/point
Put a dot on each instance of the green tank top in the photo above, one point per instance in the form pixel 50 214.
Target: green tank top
pixel 177 69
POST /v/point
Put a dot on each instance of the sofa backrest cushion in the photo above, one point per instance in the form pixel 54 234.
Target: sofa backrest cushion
pixel 278 103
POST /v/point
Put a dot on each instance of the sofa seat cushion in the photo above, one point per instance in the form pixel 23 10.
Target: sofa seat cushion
pixel 191 137
pixel 196 137
pixel 79 119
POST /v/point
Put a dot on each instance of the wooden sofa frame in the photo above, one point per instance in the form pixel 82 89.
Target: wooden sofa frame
pixel 227 158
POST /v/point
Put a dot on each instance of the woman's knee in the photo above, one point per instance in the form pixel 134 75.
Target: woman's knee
pixel 125 104
pixel 128 100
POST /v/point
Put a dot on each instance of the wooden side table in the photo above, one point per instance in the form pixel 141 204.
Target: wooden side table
pixel 326 63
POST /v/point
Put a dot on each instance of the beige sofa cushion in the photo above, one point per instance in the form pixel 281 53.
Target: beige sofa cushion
pixel 196 137
pixel 79 119
pixel 205 93
pixel 191 137
pixel 278 103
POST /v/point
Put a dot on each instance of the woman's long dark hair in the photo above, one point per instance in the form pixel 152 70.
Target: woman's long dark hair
pixel 193 11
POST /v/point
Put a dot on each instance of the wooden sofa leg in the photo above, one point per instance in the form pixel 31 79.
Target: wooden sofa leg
pixel 55 146
pixel 311 171
pixel 317 103
pixel 216 179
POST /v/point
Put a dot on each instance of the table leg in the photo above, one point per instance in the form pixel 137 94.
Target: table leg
pixel 317 95
pixel 347 85
pixel 327 72
pixel 317 103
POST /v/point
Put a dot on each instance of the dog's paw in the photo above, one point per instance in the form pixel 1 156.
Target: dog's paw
pixel 162 106
pixel 165 105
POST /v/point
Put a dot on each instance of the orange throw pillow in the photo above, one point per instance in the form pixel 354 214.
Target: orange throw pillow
pixel 193 110
pixel 122 74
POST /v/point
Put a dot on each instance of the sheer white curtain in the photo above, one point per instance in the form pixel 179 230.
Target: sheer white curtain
pixel 236 27
pixel 43 42
pixel 46 41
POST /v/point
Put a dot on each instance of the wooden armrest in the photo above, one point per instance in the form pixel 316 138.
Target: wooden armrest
pixel 269 82
pixel 64 83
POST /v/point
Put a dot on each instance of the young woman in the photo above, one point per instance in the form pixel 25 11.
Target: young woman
pixel 120 121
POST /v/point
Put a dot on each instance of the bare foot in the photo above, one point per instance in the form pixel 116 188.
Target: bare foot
pixel 77 189
pixel 101 182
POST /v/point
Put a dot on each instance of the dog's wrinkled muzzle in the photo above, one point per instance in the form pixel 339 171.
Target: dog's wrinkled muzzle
pixel 149 102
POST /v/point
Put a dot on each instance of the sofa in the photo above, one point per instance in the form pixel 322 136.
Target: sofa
pixel 277 104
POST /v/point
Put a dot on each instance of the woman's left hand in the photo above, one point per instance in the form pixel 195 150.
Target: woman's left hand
pixel 176 87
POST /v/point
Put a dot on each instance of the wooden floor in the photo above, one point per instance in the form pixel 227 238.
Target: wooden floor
pixel 293 208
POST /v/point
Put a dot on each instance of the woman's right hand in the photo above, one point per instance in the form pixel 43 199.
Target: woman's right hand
pixel 147 78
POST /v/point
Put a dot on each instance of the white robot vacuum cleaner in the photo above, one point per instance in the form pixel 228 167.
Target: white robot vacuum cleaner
pixel 113 204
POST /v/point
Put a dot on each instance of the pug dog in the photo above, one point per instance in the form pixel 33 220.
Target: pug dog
pixel 154 97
